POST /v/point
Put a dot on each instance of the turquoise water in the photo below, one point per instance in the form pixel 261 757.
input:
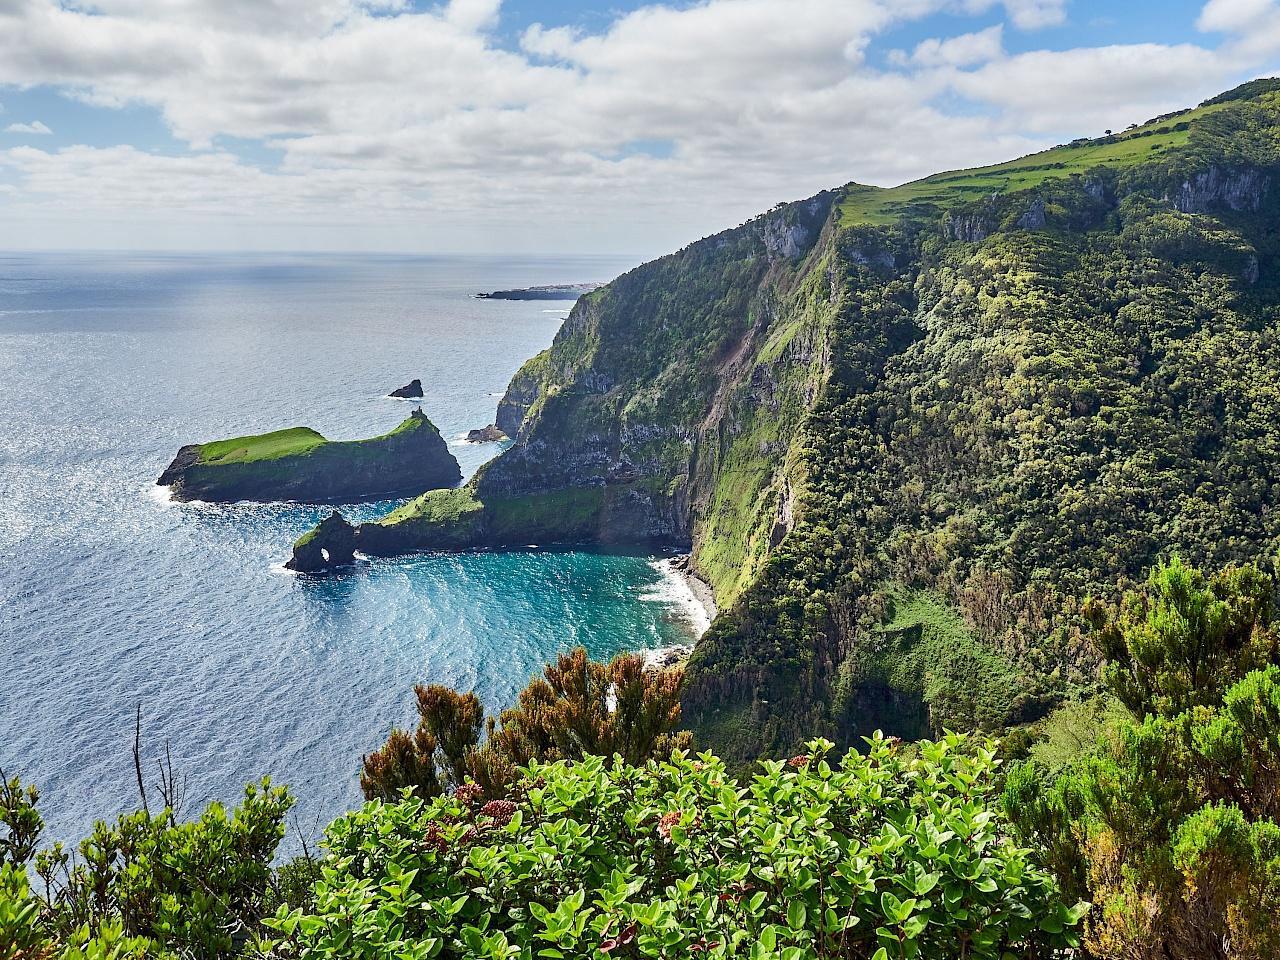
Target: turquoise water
pixel 111 596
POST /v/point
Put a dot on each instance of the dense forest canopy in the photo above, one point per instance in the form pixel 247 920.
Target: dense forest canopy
pixel 1032 396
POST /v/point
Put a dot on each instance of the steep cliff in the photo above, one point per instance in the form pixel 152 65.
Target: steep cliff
pixel 664 410
pixel 902 429
pixel 299 464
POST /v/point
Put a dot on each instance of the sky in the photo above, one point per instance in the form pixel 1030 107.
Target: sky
pixel 552 126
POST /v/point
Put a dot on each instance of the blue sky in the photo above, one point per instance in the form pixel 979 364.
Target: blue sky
pixel 552 125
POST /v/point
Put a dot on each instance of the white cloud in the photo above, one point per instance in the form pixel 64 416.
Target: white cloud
pixel 1034 14
pixel 1234 16
pixel 965 50
pixel 1080 89
pixel 34 127
pixel 1254 25
pixel 414 126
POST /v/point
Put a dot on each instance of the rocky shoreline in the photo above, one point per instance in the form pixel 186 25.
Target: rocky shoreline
pixel 682 566
pixel 489 434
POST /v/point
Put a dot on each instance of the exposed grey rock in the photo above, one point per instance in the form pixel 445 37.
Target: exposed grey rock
pixel 784 239
pixel 785 518
pixel 1237 190
pixel 970 229
pixel 881 258
pixel 410 391
pixel 1033 219
pixel 489 434
pixel 187 456
pixel 595 381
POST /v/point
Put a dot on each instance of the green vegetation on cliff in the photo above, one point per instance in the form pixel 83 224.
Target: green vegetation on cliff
pixel 1170 821
pixel 906 430
pixel 943 191
pixel 1030 397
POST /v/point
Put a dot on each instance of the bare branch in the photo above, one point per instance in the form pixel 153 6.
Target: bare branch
pixel 137 758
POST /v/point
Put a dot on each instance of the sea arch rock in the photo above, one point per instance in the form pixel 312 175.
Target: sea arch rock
pixel 330 545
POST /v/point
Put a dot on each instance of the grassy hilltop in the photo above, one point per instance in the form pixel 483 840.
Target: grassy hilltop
pixel 293 442
pixel 905 430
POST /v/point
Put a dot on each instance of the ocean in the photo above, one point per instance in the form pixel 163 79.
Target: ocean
pixel 114 598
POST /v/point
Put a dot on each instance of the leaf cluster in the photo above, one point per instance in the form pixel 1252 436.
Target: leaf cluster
pixel 146 885
pixel 879 857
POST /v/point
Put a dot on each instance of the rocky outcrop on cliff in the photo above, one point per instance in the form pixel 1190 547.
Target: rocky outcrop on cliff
pixel 1217 187
pixel 188 455
pixel 300 465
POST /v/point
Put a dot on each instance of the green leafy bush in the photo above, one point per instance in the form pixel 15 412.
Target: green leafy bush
pixel 880 857
pixel 149 885
pixel 21 936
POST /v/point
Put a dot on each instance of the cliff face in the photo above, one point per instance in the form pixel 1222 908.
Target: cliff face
pixel 905 429
pixel 663 411
pixel 301 465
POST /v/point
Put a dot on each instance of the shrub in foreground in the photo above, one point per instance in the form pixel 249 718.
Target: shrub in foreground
pixel 576 708
pixel 1172 827
pixel 147 886
pixel 881 857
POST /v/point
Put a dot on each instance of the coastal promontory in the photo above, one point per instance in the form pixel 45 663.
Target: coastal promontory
pixel 301 465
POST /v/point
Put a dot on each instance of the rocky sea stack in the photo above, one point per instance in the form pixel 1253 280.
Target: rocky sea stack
pixel 410 391
pixel 299 464
pixel 489 434
pixel 331 544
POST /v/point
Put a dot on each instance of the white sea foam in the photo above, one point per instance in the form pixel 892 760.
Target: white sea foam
pixel 673 589
pixel 163 496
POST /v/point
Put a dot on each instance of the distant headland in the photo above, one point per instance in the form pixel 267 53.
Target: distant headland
pixel 553 291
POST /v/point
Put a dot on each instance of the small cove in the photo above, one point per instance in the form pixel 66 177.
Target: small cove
pixel 111 596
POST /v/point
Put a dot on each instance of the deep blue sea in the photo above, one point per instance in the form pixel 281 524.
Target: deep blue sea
pixel 111 596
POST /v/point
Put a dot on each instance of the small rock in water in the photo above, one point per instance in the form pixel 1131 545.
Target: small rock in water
pixel 408 391
pixel 487 434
